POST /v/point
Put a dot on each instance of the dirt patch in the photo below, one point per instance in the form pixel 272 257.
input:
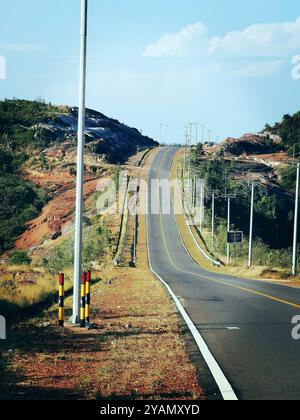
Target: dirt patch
pixel 55 214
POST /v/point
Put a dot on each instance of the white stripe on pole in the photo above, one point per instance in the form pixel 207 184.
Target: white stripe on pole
pixel 80 165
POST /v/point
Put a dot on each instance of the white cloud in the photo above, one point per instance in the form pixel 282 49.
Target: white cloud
pixel 259 40
pixel 259 69
pixel 2 68
pixel 21 47
pixel 192 40
pixel 264 40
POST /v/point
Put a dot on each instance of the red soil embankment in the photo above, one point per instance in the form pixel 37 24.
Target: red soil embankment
pixel 56 213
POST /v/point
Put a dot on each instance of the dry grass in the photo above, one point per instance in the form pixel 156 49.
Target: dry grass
pixel 25 286
pixel 136 351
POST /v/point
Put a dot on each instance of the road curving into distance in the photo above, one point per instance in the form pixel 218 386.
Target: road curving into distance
pixel 246 325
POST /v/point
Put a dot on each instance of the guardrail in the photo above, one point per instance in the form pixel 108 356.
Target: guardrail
pixel 135 234
pixel 141 160
pixel 123 227
pixel 204 253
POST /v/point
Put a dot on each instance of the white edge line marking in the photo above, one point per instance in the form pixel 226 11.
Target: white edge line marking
pixel 224 386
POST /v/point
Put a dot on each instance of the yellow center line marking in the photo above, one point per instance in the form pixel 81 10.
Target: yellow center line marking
pixel 254 292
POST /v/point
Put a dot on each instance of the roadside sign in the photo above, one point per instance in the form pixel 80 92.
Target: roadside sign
pixel 235 237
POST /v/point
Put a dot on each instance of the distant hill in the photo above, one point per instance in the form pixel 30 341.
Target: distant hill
pixel 288 129
pixel 282 135
pixel 249 144
pixel 39 139
pixel 30 125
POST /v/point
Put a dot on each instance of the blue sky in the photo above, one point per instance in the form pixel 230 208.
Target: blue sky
pixel 223 63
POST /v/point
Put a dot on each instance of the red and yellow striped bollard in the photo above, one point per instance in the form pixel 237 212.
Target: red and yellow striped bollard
pixel 88 297
pixel 82 301
pixel 61 296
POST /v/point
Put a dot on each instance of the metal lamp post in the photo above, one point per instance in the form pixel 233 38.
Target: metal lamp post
pixel 80 166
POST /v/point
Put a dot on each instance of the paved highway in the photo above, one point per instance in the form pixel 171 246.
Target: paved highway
pixel 246 324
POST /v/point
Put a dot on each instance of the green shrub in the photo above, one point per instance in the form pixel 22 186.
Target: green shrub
pixel 96 241
pixel 19 257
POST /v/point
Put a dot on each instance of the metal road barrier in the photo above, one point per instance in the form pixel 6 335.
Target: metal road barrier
pixel 2 328
pixel 123 226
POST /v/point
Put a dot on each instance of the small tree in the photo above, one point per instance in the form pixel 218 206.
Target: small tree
pixel 19 257
pixel 197 154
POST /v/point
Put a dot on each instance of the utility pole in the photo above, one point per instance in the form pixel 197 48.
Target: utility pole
pixel 186 135
pixel 294 270
pixel 189 160
pixel 228 229
pixel 135 223
pixel 194 190
pixel 251 227
pixel 213 219
pixel 209 135
pixel 202 198
pixel 80 165
pixel 203 131
pixel 191 133
pixel 294 150
pixel 196 124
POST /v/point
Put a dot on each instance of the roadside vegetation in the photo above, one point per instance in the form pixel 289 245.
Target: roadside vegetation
pixel 133 318
pixel 20 201
pixel 274 210
pixel 273 206
pixel 289 131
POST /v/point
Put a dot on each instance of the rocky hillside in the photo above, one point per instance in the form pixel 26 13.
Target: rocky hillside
pixel 249 144
pixel 37 125
pixel 38 165
pixel 283 136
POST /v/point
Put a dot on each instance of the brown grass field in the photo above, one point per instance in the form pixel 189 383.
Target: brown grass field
pixel 136 349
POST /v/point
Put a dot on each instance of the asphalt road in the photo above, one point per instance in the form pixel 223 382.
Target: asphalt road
pixel 246 324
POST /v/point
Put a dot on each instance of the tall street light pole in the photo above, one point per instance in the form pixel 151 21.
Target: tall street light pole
pixel 80 165
pixel 294 270
pixel 251 227
pixel 162 126
pixel 203 132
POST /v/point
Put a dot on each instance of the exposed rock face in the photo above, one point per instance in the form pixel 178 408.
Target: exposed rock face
pixel 248 144
pixel 104 136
